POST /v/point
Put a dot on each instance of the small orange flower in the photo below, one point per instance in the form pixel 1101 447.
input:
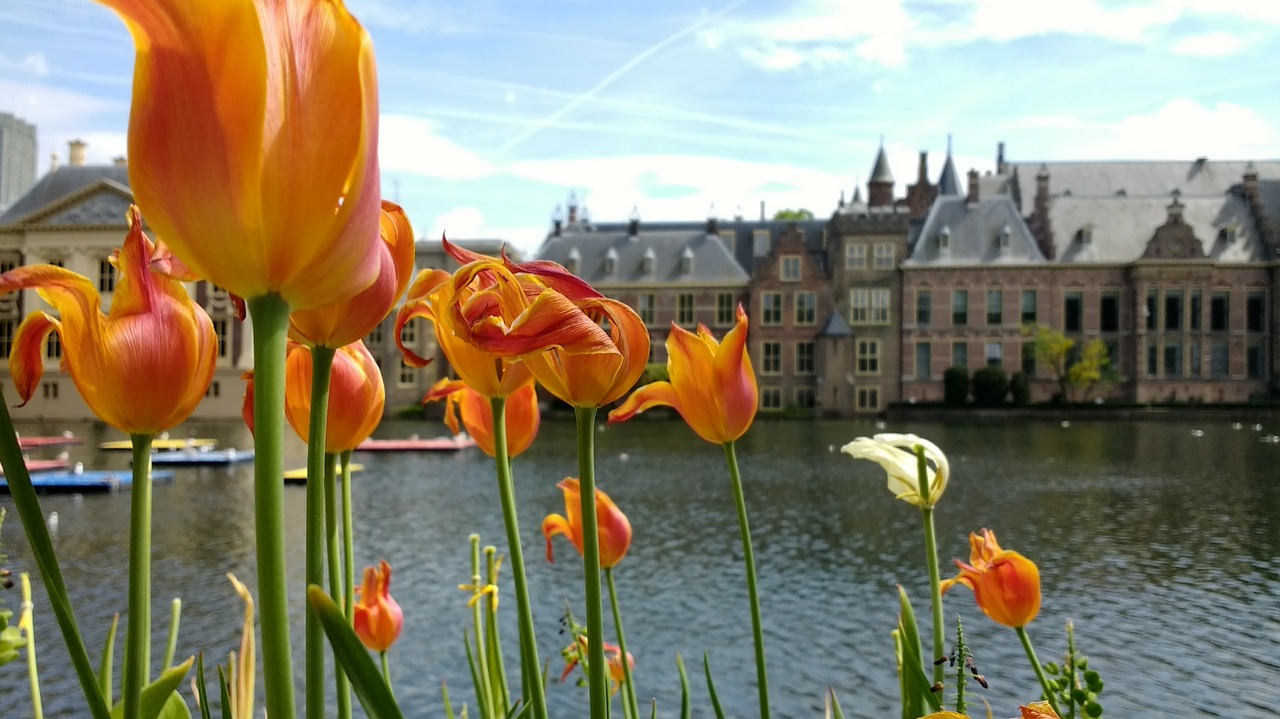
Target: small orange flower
pixel 522 414
pixel 378 619
pixel 1038 710
pixel 143 367
pixel 576 652
pixel 712 386
pixel 1005 584
pixel 614 527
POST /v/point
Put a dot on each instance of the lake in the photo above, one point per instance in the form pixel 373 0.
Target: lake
pixel 1161 540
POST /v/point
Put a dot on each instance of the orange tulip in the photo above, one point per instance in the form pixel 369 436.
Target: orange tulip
pixel 487 317
pixel 349 320
pixel 522 414
pixel 614 527
pixel 378 619
pixel 1005 584
pixel 576 652
pixel 143 367
pixel 356 396
pixel 1038 710
pixel 253 143
pixel 712 384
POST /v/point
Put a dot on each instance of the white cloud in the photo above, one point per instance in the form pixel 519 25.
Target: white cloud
pixel 1214 44
pixel 1184 128
pixel 458 223
pixel 36 64
pixel 412 145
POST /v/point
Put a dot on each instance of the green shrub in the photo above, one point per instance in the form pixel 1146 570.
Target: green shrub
pixel 1019 388
pixel 990 385
pixel 955 386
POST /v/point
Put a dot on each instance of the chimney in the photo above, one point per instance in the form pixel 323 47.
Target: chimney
pixel 1039 224
pixel 573 207
pixel 712 224
pixel 1250 182
pixel 557 221
pixel 1001 166
pixel 634 227
pixel 762 217
pixel 973 187
pixel 120 161
pixel 75 153
pixel 53 161
pixel 922 171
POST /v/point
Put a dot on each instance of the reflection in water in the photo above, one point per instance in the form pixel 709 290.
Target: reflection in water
pixel 1163 547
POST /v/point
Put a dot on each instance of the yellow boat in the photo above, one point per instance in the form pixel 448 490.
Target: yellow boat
pixel 299 475
pixel 163 443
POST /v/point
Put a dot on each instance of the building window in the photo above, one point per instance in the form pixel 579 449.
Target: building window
pixel 805 353
pixel 222 330
pixel 880 306
pixel 1256 360
pixel 1256 311
pixel 1219 359
pixel 1197 310
pixel 684 308
pixel 645 308
pixel 1153 358
pixel 771 309
pixel 806 308
pixel 1029 359
pixel 1073 312
pixel 760 243
pixel 995 307
pixel 868 357
pixel 771 398
pixel 215 389
pixel 49 390
pixel 1193 359
pixel 409 334
pixel 995 354
pixel 869 306
pixel 408 375
pixel 729 239
pixel 868 399
pixel 772 353
pixel 1219 311
pixel 1109 306
pixel 960 308
pixel 924 360
pixel 805 398
pixel 790 268
pixel 7 328
pixel 53 348
pixel 106 276
pixel 884 256
pixel 855 257
pixel 1173 310
pixel 1173 359
pixel 375 337
pixel 725 308
pixel 9 264
pixel 1028 307
pixel 924 308
pixel 960 354
pixel 1152 301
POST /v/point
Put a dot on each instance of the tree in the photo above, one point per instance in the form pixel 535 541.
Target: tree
pixel 955 386
pixel 1053 349
pixel 990 385
pixel 790 214
pixel 1073 369
pixel 1088 371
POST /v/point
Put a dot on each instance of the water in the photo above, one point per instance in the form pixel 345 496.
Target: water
pixel 1163 547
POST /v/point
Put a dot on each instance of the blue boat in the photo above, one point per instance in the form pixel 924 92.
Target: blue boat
pixel 202 457
pixel 86 481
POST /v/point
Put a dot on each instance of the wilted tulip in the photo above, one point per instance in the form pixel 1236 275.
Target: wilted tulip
pixel 522 415
pixel 614 527
pixel 1005 584
pixel 897 455
pixel 378 619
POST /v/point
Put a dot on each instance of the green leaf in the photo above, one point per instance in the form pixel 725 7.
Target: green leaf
pixel 482 698
pixel 519 711
pixel 224 690
pixel 1093 710
pixel 684 687
pixel 915 681
pixel 373 692
pixel 711 687
pixel 836 712
pixel 175 708
pixel 202 694
pixel 155 696
pixel 105 680
pixel 444 696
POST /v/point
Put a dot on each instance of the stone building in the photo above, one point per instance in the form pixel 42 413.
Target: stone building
pixel 17 158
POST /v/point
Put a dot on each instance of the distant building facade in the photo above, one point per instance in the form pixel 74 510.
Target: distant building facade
pixel 17 158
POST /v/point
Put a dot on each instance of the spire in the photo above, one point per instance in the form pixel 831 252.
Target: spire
pixel 880 172
pixel 949 180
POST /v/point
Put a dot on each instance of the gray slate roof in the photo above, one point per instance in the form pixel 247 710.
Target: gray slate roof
pixel 880 171
pixel 949 180
pixel 835 327
pixel 712 264
pixel 1122 226
pixel 62 182
pixel 974 231
pixel 1194 178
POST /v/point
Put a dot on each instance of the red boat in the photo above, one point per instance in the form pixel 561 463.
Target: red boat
pixel 414 444
pixel 59 441
pixel 43 465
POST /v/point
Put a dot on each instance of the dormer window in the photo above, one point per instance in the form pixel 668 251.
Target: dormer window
pixel 1002 237
pixel 574 261
pixel 611 261
pixel 686 261
pixel 650 260
pixel 1085 235
pixel 944 238
pixel 1228 233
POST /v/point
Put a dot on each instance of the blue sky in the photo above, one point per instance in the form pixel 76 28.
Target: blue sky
pixel 494 110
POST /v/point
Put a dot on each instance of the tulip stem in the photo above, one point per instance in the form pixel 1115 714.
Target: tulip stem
pixel 530 666
pixel 137 639
pixel 497 671
pixel 317 477
pixel 270 318
pixel 30 513
pixel 484 689
pixel 386 669
pixel 629 690
pixel 27 625
pixel 348 542
pixel 597 680
pixel 931 554
pixel 753 594
pixel 335 574
pixel 1035 664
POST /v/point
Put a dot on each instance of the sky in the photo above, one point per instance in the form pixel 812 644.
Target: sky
pixel 494 111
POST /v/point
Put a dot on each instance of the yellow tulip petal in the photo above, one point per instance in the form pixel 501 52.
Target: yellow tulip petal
pixel 654 394
pixel 26 359
pixel 551 526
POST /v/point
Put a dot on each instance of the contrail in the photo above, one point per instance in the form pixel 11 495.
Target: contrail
pixel 611 77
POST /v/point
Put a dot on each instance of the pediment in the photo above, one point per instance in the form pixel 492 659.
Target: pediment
pixel 102 203
pixel 1174 241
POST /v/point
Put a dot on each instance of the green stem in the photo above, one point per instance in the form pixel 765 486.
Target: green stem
pixel 386 669
pixel 629 689
pixel 270 319
pixel 931 555
pixel 137 638
pixel 335 574
pixel 321 363
pixel 597 671
pixel 23 493
pixel 1035 664
pixel 171 646
pixel 348 542
pixel 753 594
pixel 484 692
pixel 529 663
pixel 29 631
pixel 497 670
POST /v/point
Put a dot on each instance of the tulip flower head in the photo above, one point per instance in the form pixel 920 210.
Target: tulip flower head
pixel 575 653
pixel 522 415
pixel 614 527
pixel 253 143
pixel 712 386
pixel 1005 584
pixel 143 367
pixel 1038 710
pixel 896 453
pixel 378 618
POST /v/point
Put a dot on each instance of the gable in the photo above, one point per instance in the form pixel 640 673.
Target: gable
pixel 104 203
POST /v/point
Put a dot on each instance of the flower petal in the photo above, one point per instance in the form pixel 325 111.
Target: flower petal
pixel 26 358
pixel 654 394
